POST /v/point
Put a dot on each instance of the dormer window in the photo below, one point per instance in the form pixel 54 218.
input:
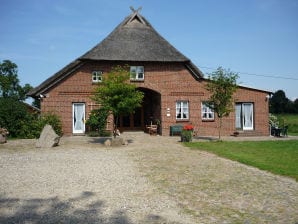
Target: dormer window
pixel 96 76
pixel 137 73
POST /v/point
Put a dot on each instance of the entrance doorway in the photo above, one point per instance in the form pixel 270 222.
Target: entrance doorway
pixel 133 121
pixel 148 114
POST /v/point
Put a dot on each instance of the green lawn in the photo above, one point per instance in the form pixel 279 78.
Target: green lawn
pixel 279 157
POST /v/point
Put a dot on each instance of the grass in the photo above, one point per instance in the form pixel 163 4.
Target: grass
pixel 278 157
pixel 291 120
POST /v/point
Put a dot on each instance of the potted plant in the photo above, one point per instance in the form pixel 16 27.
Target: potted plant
pixel 187 132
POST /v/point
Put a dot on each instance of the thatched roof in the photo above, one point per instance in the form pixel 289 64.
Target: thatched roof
pixel 134 39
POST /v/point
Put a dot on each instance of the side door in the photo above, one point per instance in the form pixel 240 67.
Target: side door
pixel 78 118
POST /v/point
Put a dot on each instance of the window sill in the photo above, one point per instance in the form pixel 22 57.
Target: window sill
pixel 208 120
pixel 182 120
pixel 137 80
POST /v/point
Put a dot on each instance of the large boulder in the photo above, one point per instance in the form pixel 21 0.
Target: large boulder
pixel 48 138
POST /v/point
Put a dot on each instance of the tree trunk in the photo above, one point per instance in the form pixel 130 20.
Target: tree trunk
pixel 219 128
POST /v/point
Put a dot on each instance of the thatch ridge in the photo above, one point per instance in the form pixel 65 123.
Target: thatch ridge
pixel 135 40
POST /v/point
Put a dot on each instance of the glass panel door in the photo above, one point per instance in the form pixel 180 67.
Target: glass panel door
pixel 238 116
pixel 247 109
pixel 78 118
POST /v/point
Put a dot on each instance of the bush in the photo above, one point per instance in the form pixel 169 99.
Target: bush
pixel 97 121
pixel 273 120
pixel 186 136
pixel 53 120
pixel 13 114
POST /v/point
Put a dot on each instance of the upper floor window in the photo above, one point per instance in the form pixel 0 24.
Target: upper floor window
pixel 137 72
pixel 207 112
pixel 182 110
pixel 97 76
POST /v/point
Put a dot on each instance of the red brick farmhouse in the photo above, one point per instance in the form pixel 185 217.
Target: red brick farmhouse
pixel 173 87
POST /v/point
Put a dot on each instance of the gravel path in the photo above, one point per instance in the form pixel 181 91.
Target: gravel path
pixel 152 180
pixel 75 184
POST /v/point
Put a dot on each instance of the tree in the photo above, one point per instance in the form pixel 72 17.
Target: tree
pixel 10 83
pixel 279 103
pixel 295 106
pixel 13 114
pixel 221 85
pixel 117 95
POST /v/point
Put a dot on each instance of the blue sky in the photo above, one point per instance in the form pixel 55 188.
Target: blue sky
pixel 256 38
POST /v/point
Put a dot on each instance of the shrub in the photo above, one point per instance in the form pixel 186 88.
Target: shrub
pixel 273 120
pixel 12 115
pixel 53 120
pixel 97 121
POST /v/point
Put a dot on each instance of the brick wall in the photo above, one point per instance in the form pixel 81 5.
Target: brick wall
pixel 172 80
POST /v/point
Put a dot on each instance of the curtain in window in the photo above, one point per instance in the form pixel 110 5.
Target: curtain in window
pixel 178 110
pixel 247 115
pixel 79 117
pixel 185 110
pixel 238 116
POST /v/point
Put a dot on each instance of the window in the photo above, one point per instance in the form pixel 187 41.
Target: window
pixel 137 72
pixel 244 116
pixel 96 76
pixel 207 112
pixel 182 111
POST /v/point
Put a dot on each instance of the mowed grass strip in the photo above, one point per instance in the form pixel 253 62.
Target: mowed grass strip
pixel 278 157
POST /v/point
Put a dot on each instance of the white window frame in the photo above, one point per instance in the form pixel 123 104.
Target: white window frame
pixel 137 73
pixel 207 113
pixel 182 110
pixel 96 76
pixel 241 118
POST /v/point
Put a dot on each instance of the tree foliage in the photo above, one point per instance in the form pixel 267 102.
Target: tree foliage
pixel 222 84
pixel 14 115
pixel 116 94
pixel 10 83
pixel 97 121
pixel 279 103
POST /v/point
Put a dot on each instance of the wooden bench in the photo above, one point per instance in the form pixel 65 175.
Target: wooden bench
pixel 175 129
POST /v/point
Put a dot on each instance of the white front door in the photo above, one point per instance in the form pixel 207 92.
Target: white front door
pixel 78 118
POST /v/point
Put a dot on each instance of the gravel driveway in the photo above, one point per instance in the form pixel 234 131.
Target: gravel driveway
pixel 81 181
pixel 78 182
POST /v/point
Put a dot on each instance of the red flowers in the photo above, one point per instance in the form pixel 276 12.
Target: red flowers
pixel 188 127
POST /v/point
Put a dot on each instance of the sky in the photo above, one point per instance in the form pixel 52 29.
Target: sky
pixel 258 39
